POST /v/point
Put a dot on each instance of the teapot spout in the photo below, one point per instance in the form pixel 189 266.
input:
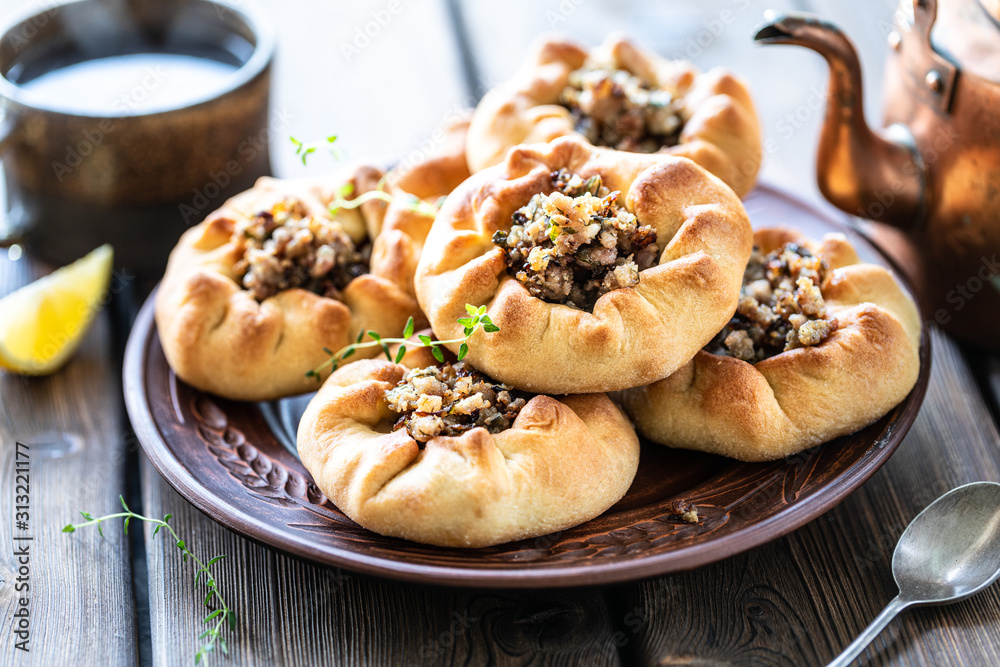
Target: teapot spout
pixel 875 175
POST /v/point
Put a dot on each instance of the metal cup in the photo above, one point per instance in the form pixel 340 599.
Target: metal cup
pixel 134 177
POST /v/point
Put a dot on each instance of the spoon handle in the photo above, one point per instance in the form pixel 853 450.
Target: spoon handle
pixel 865 638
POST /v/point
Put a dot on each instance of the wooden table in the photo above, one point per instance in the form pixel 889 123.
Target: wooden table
pixel 797 601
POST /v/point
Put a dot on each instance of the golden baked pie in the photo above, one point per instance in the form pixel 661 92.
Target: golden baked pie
pixel 820 346
pixel 622 96
pixel 448 456
pixel 253 294
pixel 428 178
pixel 603 269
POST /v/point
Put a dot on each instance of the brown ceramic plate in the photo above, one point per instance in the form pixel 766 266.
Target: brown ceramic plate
pixel 236 462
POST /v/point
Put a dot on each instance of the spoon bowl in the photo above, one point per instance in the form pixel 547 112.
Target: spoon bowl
pixel 950 551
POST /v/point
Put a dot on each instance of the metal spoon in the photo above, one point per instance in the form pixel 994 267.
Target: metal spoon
pixel 949 552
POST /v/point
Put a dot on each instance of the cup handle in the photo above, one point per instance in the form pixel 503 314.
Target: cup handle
pixel 9 234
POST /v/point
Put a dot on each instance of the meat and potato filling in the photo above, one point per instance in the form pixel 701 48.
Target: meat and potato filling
pixel 286 247
pixel 617 109
pixel 451 399
pixel 575 244
pixel 781 307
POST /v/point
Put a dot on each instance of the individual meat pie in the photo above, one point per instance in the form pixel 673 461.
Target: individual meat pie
pixel 426 178
pixel 820 346
pixel 603 269
pixel 253 294
pixel 448 456
pixel 622 96
pixel 577 243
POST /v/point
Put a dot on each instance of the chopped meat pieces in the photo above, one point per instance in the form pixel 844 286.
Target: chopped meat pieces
pixel 451 399
pixel 739 344
pixel 575 244
pixel 285 247
pixel 781 306
pixel 615 108
pixel 685 510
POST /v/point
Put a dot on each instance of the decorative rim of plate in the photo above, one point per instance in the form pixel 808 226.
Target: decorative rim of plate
pixel 530 574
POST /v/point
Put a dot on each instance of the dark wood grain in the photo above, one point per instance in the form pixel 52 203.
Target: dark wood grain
pixel 291 612
pixel 990 379
pixel 387 623
pixel 80 585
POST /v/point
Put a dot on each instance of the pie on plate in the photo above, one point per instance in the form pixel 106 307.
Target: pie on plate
pixel 820 346
pixel 469 462
pixel 622 96
pixel 428 179
pixel 253 295
pixel 603 269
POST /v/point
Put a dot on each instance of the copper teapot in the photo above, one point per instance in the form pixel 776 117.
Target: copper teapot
pixel 934 171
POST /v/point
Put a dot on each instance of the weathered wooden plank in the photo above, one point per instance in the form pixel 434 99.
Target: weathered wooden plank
pixel 291 612
pixel 800 600
pixel 991 379
pixel 80 586
pixel 387 623
pixel 176 605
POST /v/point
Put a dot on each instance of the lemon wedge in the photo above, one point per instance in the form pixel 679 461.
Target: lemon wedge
pixel 42 324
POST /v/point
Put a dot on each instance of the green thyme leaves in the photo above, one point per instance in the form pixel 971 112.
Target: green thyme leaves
pixel 477 319
pixel 304 150
pixel 407 200
pixel 347 190
pixel 219 616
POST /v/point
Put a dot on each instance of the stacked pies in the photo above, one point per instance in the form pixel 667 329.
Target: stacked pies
pixel 591 210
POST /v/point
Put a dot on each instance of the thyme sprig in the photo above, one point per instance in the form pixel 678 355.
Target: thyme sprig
pixel 477 319
pixel 304 150
pixel 414 203
pixel 411 202
pixel 218 615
